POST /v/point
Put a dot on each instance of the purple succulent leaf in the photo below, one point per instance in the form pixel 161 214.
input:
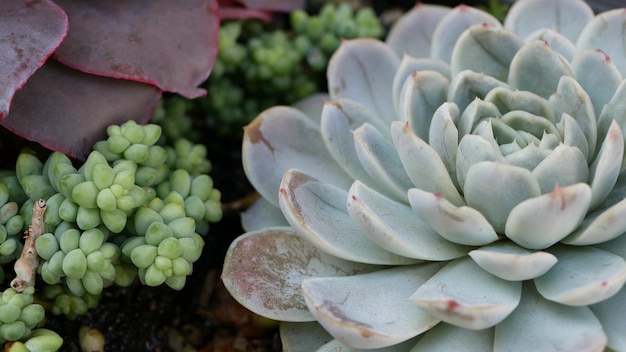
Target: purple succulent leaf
pixel 237 13
pixel 30 31
pixel 68 110
pixel 170 44
pixel 274 5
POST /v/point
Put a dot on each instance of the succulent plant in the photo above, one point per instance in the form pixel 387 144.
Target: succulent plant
pixel 462 189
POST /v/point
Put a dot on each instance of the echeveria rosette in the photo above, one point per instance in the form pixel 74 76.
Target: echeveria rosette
pixel 466 179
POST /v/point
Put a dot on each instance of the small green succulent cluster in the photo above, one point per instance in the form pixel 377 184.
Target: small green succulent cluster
pixel 63 301
pixel 259 66
pixel 39 340
pixel 18 314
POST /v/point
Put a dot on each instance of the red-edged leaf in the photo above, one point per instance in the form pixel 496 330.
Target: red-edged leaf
pixel 29 33
pixel 239 13
pixel 171 44
pixel 68 110
pixel 274 5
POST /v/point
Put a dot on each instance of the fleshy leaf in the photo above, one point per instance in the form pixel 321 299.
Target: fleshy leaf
pixel 443 137
pixel 600 227
pixel 468 85
pixel 510 262
pixel 540 222
pixel 307 336
pixel 564 166
pixel 445 338
pixel 171 44
pixel 312 106
pixel 281 138
pixel 464 295
pixel 541 325
pixel 363 70
pixel 319 213
pixel 452 25
pixel 422 163
pixel 598 76
pixel 612 315
pixel 573 135
pixel 263 271
pixel 607 166
pixel 31 31
pixel 582 276
pixel 495 189
pixel 351 308
pixel 408 65
pixel 380 159
pixel 614 112
pixel 542 79
pixel 394 227
pixel 603 32
pixel 337 346
pixel 463 225
pixel 262 214
pixel 507 100
pixel 485 49
pixel 568 17
pixel 279 6
pixel 46 108
pixel 472 150
pixel 412 33
pixel 476 111
pixel 556 40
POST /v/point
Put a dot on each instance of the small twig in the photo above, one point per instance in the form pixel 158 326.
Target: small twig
pixel 241 204
pixel 26 266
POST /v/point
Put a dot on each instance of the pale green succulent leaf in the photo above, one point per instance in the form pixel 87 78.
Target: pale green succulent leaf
pixel 556 40
pixel 600 227
pixel 281 138
pixel 530 123
pixel 495 189
pixel 363 70
pixel 607 165
pixel 528 157
pixel 468 85
pixel 567 17
pixel 582 276
pixel 614 111
pixel 564 166
pixel 410 64
pixel 540 222
pixel 616 246
pixel 452 25
pixel 305 336
pixel 526 74
pixel 511 262
pixel 347 307
pixel 540 325
pixel 507 100
pixel 318 212
pixel 422 163
pixel 462 225
pixel 612 315
pixel 337 346
pixel 597 74
pixel 422 93
pixel 412 33
pixel 445 338
pixel 395 227
pixel 464 295
pixel 443 137
pixel 474 149
pixel 263 271
pixel 571 98
pixel 573 135
pixel 476 111
pixel 380 159
pixel 606 32
pixel 262 214
pixel 312 106
pixel 486 49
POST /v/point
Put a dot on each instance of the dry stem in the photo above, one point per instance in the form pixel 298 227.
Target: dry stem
pixel 26 266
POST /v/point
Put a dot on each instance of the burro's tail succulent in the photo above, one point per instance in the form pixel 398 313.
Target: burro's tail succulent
pixel 461 189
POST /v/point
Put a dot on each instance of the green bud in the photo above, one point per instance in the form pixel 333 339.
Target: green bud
pixel 113 130
pixel 91 240
pixel 4 193
pixel 153 276
pixel 69 182
pixel 107 273
pixel 157 232
pixel 9 247
pixel 125 178
pixel 92 282
pixel 169 248
pixel 9 313
pixel 48 276
pixel 183 227
pixel 15 225
pixel 51 216
pixel 174 197
pixel 194 207
pixel 87 218
pixel 75 286
pixel 46 246
pixel 13 331
pixel 130 244
pixel 172 211
pixel 75 264
pixel 7 211
pixel 32 314
pixel 125 203
pixel 68 210
pixel 69 240
pixel 213 211
pixel 137 153
pixel 85 194
pixel 103 176
pixel 44 340
pixel 132 131
pixel 102 147
pixel 180 181
pixel 95 261
pixel 162 263
pixel 124 275
pixel 94 158
pixel 18 346
pixel 55 264
pixel 299 19
pixel 176 282
pixel 144 217
pixel 145 176
pixel 191 248
pixel 181 267
pixel 114 220
pixel 58 171
pixel 152 133
pixel 19 301
pixel 143 255
pixel 117 144
pixel 37 187
pixel 139 196
pixel 156 204
pixel 27 164
pixel 106 200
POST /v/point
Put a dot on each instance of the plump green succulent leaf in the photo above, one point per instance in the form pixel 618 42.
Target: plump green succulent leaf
pixel 507 100
pixel 277 260
pixel 312 106
pixel 363 70
pixel 600 226
pixel 495 189
pixel 462 225
pixel 486 49
pixel 538 325
pixel 262 214
pixel 614 111
pixel 475 112
pixel 421 19
pixel 443 137
pixel 445 337
pixel 607 165
pixel 612 315
pixel 452 25
pixel 468 85
pixel 398 231
pixel 574 136
pixel 528 157
pixel 557 41
pixel 472 150
pixel 542 79
pixel 464 295
pixel 603 32
pixel 540 222
pixel 380 159
pixel 347 306
pixel 423 164
pixel 328 227
pixel 564 166
pixel 511 262
pixel 410 64
pixel 308 336
pixel 582 276
pixel 422 93
pixel 598 76
pixel 282 138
